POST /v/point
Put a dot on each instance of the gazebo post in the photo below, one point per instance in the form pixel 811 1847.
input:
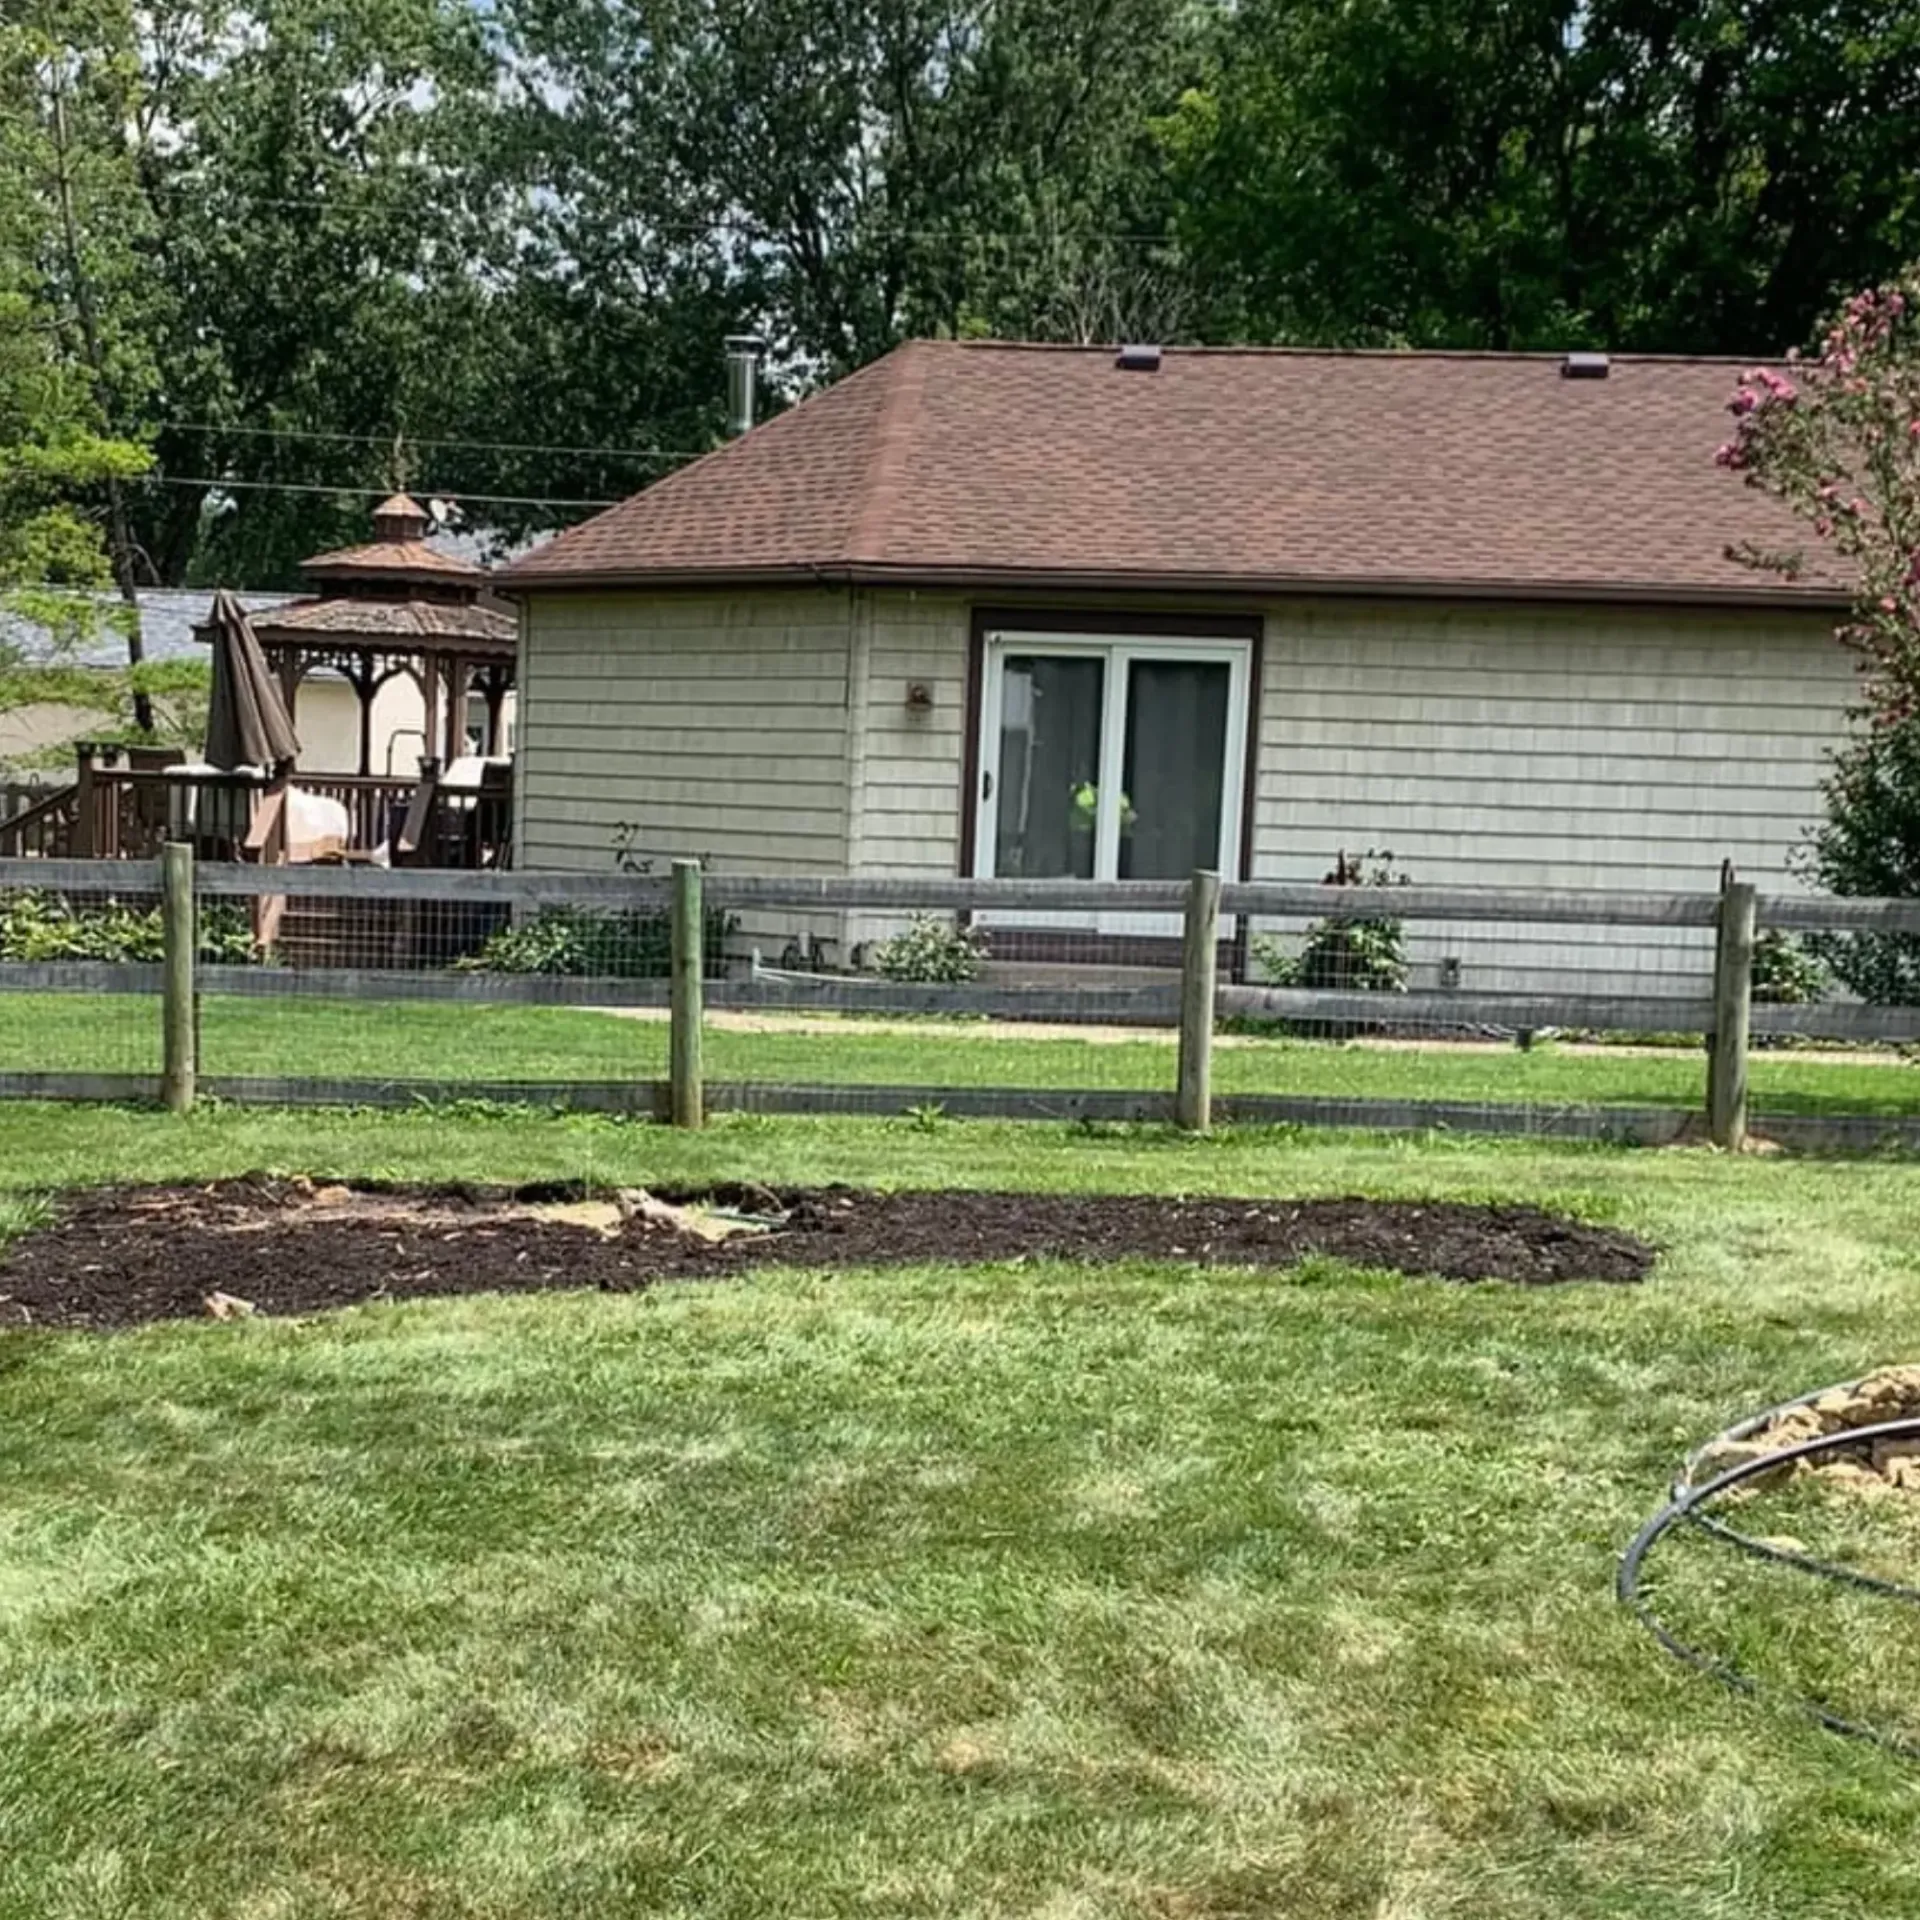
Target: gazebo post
pixel 364 687
pixel 454 737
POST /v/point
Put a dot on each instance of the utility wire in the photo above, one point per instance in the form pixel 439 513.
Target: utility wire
pixel 756 230
pixel 410 440
pixel 371 493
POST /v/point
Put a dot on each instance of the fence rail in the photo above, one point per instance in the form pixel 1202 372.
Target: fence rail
pixel 1712 995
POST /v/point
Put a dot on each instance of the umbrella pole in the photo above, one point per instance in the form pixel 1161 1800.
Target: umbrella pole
pixel 266 844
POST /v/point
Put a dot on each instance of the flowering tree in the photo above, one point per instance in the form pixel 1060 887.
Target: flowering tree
pixel 1838 439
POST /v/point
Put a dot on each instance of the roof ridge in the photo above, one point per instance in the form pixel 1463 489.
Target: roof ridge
pixel 1252 350
pixel 892 445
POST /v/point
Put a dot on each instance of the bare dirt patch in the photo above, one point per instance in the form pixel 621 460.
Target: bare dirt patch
pixel 120 1257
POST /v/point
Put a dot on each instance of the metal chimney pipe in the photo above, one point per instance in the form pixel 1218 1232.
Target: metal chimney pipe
pixel 743 380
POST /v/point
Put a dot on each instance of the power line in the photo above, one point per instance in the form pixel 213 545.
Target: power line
pixel 407 439
pixel 757 230
pixel 370 493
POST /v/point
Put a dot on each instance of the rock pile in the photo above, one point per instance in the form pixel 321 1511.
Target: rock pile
pixel 1876 1466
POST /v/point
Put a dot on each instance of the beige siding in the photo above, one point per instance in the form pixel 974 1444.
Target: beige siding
pixel 1566 747
pixel 32 732
pixel 717 724
pixel 1498 746
pixel 906 789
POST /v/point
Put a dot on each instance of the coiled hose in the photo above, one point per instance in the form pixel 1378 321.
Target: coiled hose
pixel 1687 1502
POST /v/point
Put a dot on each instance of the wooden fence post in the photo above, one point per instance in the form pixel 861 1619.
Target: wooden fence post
pixel 1732 1009
pixel 178 1063
pixel 1199 964
pixel 686 1092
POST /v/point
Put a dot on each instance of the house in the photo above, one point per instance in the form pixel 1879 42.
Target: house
pixel 1002 609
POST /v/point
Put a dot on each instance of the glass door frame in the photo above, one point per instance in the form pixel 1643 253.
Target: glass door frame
pixel 1119 651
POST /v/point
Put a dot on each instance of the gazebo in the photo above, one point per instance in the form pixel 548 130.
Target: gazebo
pixel 394 609
pixel 398 606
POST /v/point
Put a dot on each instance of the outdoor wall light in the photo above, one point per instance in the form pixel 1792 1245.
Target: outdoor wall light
pixel 919 695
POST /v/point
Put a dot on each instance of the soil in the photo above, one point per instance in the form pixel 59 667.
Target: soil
pixel 118 1257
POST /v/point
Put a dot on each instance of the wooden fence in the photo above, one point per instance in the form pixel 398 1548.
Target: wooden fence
pixel 1721 1008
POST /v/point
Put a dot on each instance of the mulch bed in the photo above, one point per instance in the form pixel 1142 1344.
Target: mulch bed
pixel 118 1257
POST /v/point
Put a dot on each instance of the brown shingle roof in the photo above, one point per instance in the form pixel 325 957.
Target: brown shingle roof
pixel 996 464
pixel 400 559
pixel 416 623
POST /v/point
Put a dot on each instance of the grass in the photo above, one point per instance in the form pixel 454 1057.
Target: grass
pixel 1050 1590
pixel 437 1041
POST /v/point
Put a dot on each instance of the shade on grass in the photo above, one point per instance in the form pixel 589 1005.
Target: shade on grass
pixel 1056 1590
pixel 433 1041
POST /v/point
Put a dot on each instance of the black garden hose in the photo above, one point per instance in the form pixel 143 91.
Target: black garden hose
pixel 1686 1504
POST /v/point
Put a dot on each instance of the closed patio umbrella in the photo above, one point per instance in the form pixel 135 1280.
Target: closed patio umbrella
pixel 247 720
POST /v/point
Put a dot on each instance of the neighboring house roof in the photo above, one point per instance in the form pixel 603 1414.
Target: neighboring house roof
pixel 1238 470
pixel 168 616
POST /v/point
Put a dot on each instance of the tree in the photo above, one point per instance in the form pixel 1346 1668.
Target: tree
pixel 77 367
pixel 1838 439
pixel 1664 175
pixel 839 174
pixel 313 174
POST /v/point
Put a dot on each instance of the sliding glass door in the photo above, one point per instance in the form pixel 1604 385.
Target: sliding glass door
pixel 1110 759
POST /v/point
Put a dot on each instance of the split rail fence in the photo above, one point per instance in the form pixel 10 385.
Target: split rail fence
pixel 320 1013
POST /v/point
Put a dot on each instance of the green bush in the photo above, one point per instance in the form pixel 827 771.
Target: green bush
pixel 1869 845
pixel 608 946
pixel 1351 950
pixel 931 951
pixel 38 926
pixel 1785 974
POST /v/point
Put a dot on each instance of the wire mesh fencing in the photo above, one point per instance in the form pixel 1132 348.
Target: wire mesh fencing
pixel 1602 1015
pixel 82 967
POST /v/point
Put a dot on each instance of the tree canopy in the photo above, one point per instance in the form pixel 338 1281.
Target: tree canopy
pixel 314 248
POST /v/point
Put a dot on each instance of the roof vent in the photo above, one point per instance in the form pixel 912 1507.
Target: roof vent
pixel 1138 359
pixel 1585 366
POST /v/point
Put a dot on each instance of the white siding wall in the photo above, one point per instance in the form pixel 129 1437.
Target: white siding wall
pixel 718 723
pixel 326 716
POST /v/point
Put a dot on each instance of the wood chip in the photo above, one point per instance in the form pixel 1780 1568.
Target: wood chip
pixel 229 1306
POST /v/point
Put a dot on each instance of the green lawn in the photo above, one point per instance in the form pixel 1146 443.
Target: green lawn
pixel 437 1041
pixel 1052 1590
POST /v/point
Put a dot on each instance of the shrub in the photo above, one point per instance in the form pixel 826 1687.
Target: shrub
pixel 1351 950
pixel 1869 845
pixel 621 945
pixel 47 926
pixel 1785 974
pixel 932 952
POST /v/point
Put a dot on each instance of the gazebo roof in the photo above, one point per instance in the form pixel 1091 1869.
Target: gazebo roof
pixel 420 626
pixel 394 595
pixel 393 560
